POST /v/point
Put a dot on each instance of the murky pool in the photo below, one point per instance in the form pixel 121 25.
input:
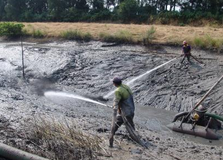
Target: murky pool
pixel 86 69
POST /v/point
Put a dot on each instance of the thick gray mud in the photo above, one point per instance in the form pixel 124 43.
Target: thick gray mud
pixel 87 69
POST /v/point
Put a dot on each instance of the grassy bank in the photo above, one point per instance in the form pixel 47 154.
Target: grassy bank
pixel 60 140
pixel 204 37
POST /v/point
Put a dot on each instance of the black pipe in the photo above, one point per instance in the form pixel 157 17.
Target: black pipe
pixel 16 154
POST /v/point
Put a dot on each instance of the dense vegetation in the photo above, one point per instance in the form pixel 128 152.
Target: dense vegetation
pixel 11 29
pixel 128 11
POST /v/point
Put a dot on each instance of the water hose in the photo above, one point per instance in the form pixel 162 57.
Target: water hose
pixel 202 99
pixel 214 116
pixel 205 96
pixel 16 154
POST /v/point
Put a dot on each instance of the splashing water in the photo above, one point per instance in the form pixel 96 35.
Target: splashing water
pixel 69 95
pixel 140 76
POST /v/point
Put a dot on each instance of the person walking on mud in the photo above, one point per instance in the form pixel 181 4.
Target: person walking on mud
pixel 186 51
pixel 123 108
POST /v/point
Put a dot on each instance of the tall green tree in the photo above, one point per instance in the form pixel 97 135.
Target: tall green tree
pixel 99 11
pixel 215 6
pixel 36 10
pixel 97 5
pixel 75 10
pixel 76 4
pixel 110 3
pixel 128 10
pixel 2 9
pixel 37 6
pixel 118 2
pixel 56 9
pixel 82 5
pixel 173 4
pixel 14 9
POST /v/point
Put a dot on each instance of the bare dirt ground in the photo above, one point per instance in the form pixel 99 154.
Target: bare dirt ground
pixel 87 69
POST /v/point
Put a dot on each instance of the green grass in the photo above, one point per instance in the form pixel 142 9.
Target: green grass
pixel 149 36
pixel 207 42
pixel 181 24
pixel 11 30
pixel 76 35
pixel 198 42
pixel 119 37
pixel 35 33
pixel 38 34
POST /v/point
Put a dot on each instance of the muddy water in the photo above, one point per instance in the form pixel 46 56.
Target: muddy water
pixel 152 118
pixel 157 120
pixel 147 118
pixel 86 69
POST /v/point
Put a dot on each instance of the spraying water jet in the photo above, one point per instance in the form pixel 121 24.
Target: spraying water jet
pixel 133 134
pixel 49 94
pixel 98 98
pixel 140 76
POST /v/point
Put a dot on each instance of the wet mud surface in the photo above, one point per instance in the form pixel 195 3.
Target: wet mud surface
pixel 87 69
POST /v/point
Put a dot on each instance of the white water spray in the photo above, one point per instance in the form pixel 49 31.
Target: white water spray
pixel 69 95
pixel 140 76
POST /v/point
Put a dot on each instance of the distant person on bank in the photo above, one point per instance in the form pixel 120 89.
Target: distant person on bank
pixel 186 51
pixel 123 108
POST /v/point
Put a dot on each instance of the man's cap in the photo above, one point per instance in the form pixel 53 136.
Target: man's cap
pixel 117 80
pixel 184 42
pixel 201 108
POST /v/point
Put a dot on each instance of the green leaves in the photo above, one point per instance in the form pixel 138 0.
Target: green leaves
pixel 149 36
pixel 11 29
pixel 14 9
pixel 128 10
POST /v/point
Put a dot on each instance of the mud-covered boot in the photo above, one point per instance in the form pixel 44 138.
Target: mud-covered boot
pixel 111 140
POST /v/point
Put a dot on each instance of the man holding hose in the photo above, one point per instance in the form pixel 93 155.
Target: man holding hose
pixel 123 108
pixel 186 50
